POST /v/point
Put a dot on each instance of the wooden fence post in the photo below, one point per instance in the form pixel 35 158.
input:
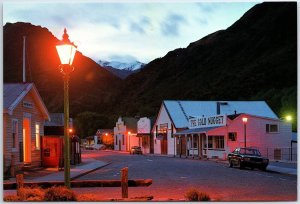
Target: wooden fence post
pixel 124 182
pixel 19 182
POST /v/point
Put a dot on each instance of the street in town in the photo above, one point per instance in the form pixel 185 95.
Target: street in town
pixel 172 177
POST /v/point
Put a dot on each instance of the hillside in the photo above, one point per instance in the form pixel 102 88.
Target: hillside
pixel 254 59
pixel 91 86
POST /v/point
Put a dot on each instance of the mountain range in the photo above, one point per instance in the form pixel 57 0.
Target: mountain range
pixel 253 59
pixel 122 69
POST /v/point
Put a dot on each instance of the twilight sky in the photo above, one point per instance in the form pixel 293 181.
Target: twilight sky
pixel 125 31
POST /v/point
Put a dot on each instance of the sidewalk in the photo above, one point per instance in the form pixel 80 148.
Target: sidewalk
pixel 279 167
pixel 75 171
pixel 88 165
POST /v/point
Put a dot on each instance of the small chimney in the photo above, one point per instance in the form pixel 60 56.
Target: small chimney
pixel 219 106
pixel 234 112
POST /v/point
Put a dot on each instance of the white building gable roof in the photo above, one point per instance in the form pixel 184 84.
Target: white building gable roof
pixel 180 111
pixel 13 93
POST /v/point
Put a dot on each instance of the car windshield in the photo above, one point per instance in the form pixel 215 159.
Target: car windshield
pixel 252 152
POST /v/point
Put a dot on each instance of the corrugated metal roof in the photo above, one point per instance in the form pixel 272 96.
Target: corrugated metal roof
pixel 57 119
pixel 11 92
pixel 178 109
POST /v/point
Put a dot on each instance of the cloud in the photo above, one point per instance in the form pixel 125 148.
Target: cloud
pixel 207 7
pixel 141 26
pixel 170 27
pixel 122 58
pixel 203 21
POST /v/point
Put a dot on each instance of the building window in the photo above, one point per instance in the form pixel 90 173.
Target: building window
pixel 271 128
pixel 163 128
pixel 123 139
pixel 14 133
pixel 219 142
pixel 210 142
pixel 37 136
pixel 232 136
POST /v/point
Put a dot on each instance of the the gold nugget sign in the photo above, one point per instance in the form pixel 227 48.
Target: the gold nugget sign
pixel 207 121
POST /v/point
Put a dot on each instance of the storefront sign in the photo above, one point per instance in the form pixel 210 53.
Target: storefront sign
pixel 144 126
pixel 207 121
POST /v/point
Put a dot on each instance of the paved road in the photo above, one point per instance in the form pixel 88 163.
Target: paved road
pixel 172 177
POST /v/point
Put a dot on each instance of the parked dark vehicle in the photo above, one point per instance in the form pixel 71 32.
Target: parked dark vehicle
pixel 136 150
pixel 247 157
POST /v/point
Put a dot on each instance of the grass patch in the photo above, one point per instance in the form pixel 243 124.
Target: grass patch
pixel 195 195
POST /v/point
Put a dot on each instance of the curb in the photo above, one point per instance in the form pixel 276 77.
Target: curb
pixel 87 172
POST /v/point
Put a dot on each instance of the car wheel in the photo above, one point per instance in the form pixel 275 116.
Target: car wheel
pixel 230 164
pixel 240 165
pixel 264 168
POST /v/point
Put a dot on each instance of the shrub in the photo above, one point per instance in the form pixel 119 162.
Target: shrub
pixel 11 198
pixel 59 193
pixel 203 196
pixel 33 193
pixel 195 195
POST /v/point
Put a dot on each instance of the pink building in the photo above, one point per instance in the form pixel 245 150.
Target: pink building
pixel 212 129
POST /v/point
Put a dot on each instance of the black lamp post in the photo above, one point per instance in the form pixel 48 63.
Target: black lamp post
pixel 245 124
pixel 66 51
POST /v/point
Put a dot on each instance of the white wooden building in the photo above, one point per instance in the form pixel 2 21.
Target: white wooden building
pixel 144 132
pixel 24 115
pixel 125 134
pixel 174 136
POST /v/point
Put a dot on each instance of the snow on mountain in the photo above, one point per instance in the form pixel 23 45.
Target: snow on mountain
pixel 129 66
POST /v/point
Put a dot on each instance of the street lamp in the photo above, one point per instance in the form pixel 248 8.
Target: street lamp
pixel 66 51
pixel 245 123
pixel 129 133
pixel 288 118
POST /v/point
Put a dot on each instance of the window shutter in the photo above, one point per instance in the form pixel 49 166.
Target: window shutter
pixel 267 127
pixel 21 151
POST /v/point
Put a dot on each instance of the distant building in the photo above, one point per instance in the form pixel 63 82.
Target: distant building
pixel 24 116
pixel 180 128
pixel 144 134
pixel 53 141
pixel 106 137
pixel 125 134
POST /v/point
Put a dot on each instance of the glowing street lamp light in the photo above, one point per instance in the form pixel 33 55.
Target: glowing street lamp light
pixel 70 130
pixel 66 51
pixel 129 133
pixel 288 118
pixel 245 120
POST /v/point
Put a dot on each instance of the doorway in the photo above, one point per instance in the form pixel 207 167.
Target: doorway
pixel 164 144
pixel 27 140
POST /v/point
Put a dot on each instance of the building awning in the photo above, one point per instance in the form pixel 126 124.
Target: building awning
pixel 142 134
pixel 195 131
